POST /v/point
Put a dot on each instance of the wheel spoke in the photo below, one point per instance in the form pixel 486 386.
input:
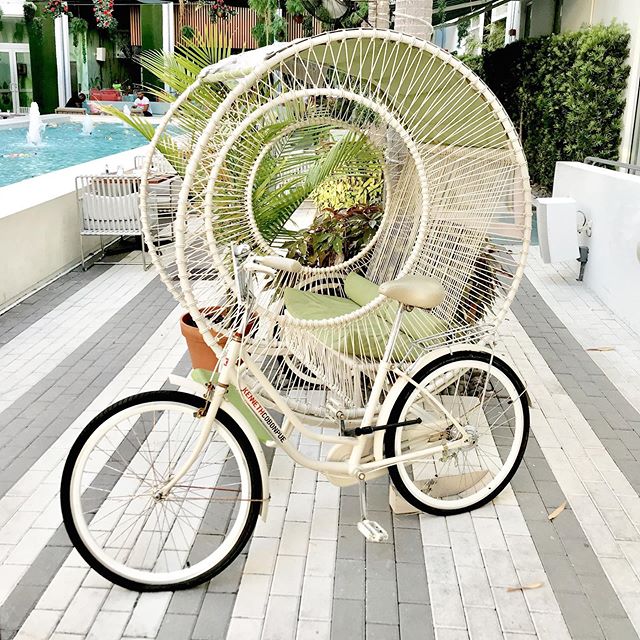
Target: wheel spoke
pixel 487 400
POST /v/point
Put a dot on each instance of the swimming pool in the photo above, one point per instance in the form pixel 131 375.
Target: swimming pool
pixel 63 145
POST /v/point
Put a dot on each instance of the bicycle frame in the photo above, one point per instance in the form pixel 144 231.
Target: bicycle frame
pixel 230 373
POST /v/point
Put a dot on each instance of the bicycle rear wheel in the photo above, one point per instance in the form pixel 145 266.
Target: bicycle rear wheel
pixel 115 516
pixel 488 399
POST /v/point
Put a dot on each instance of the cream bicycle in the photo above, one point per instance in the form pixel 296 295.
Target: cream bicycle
pixel 385 358
pixel 163 489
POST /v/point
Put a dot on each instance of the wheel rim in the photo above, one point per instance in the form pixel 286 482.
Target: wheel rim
pixel 484 399
pixel 138 536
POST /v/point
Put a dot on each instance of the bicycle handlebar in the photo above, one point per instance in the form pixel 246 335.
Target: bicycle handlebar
pixel 279 263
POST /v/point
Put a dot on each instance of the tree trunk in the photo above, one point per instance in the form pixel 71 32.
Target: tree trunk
pixel 379 14
pixel 413 17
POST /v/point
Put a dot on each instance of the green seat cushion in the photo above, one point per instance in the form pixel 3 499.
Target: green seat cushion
pixel 417 324
pixel 359 289
pixel 306 305
pixel 366 337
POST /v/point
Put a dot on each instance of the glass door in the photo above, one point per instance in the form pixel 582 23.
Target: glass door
pixel 6 81
pixel 24 82
pixel 16 84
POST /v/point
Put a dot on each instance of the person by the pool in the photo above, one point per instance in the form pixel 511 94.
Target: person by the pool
pixel 142 102
pixel 76 100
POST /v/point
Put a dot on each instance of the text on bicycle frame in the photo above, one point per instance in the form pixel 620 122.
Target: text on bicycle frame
pixel 263 414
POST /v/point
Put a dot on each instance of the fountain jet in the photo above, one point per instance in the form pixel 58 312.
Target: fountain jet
pixel 87 125
pixel 36 126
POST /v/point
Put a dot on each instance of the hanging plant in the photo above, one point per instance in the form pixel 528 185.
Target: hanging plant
pixel 103 11
pixel 37 28
pixel 56 8
pixel 335 235
pixel 29 10
pixel 78 28
pixel 187 32
pixel 352 18
pixel 296 9
pixel 112 30
pixel 220 10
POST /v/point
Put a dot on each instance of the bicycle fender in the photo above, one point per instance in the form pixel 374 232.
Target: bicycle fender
pixel 235 414
pixel 400 384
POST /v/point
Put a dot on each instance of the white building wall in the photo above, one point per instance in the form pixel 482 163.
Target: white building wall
pixel 11 8
pixel 61 25
pixel 499 13
pixel 541 18
pixel 168 38
pixel 447 38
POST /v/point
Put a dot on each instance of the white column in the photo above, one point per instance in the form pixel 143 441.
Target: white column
pixel 63 60
pixel 513 21
pixel 168 29
pixel 631 116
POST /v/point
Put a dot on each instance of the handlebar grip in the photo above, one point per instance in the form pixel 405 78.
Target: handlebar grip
pixel 279 263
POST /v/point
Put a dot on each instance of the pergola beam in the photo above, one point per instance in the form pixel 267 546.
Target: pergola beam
pixel 468 5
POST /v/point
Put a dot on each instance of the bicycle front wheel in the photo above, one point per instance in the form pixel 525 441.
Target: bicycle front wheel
pixel 483 395
pixel 125 528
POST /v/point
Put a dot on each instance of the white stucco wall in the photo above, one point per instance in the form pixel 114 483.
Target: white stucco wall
pixel 40 229
pixel 11 8
pixel 611 200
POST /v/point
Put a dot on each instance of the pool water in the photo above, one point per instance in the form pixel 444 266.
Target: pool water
pixel 63 145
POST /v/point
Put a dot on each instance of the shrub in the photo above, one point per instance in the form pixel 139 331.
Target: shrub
pixel 343 192
pixel 564 93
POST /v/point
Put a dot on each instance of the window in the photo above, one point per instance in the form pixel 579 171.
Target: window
pixel 527 19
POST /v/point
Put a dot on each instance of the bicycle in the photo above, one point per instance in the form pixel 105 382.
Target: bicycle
pixel 163 490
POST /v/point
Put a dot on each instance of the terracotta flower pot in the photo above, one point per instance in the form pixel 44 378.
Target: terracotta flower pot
pixel 202 356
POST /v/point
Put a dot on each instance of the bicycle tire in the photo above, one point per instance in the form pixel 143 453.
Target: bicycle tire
pixel 192 403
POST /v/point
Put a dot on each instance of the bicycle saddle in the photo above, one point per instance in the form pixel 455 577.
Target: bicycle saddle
pixel 414 291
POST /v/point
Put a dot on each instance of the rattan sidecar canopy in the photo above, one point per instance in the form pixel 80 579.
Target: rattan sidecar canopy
pixel 268 130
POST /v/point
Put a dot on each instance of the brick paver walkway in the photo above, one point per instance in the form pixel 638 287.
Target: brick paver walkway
pixel 91 338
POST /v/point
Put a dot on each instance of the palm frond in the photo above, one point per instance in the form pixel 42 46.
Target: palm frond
pixel 278 203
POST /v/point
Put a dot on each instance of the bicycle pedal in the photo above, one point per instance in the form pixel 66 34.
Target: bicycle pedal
pixel 372 531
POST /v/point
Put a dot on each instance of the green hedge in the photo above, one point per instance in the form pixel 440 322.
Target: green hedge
pixel 564 93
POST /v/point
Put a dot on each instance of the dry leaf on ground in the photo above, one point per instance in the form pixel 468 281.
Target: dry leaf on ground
pixel 601 349
pixel 557 511
pixel 522 587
